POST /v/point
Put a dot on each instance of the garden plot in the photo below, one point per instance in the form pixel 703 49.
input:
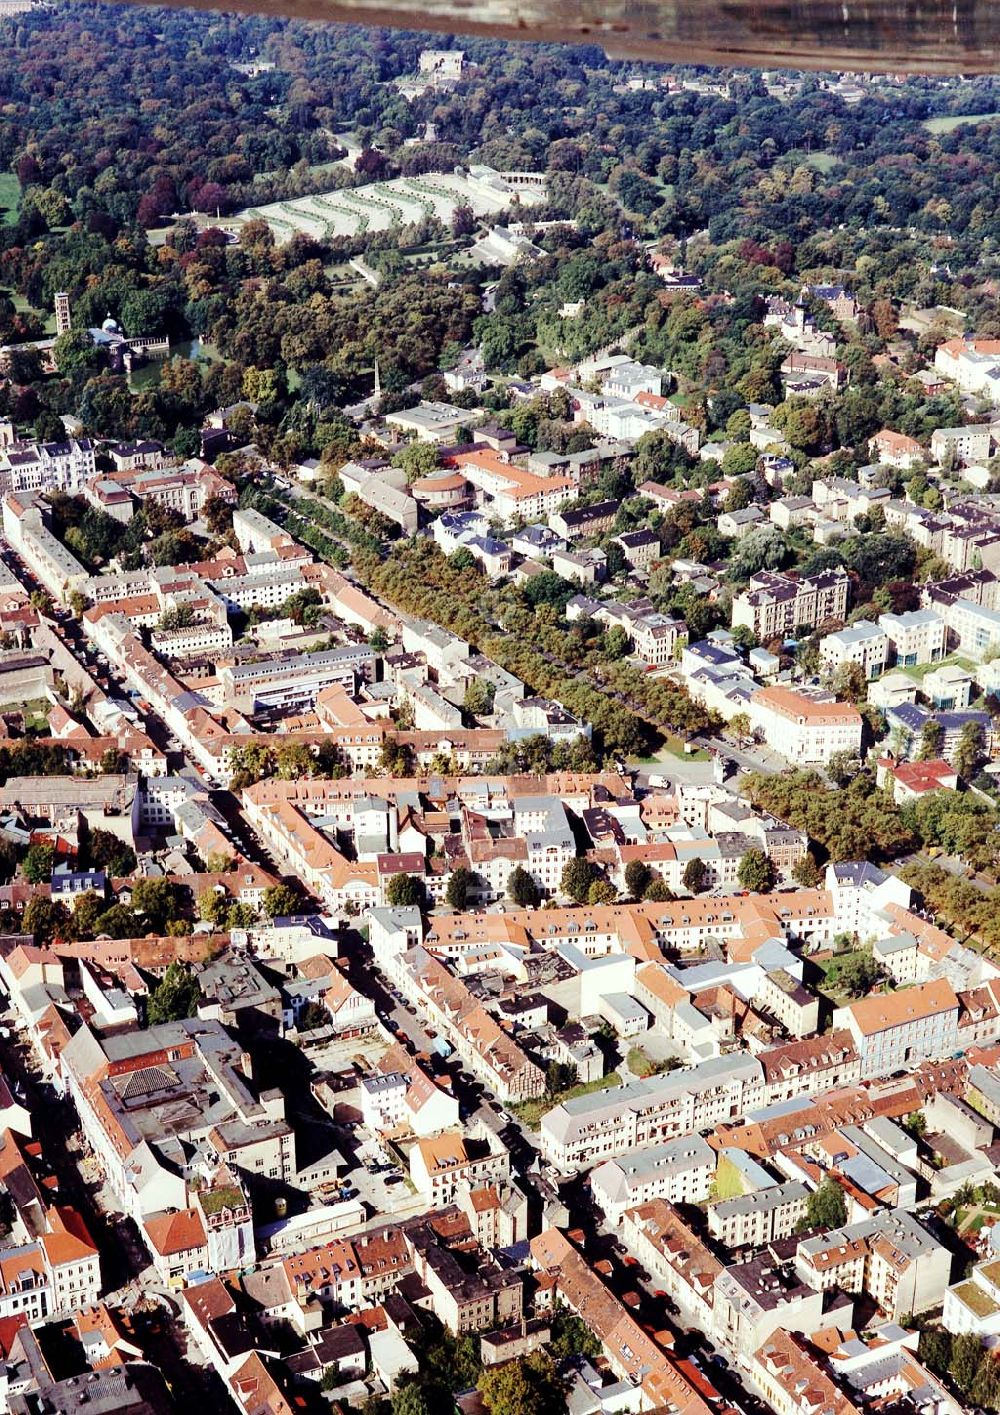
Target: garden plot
pixel 382 205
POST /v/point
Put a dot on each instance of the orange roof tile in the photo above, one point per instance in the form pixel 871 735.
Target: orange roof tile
pixel 788 703
pixel 883 1011
pixel 176 1233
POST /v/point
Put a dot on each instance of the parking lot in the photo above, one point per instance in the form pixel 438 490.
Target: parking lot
pixel 387 1190
pixel 376 1177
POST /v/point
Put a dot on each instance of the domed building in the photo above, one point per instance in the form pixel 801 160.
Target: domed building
pixel 442 490
pixel 121 351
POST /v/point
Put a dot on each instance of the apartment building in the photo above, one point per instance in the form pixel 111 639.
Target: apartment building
pixel 589 1129
pixel 581 521
pixel 973 629
pixel 267 588
pixel 680 1171
pixel 775 605
pixel 44 554
pixel 762 1216
pixel 971 363
pixel 642 548
pixel 860 892
pixel 443 1165
pixel 50 466
pixel 56 1274
pixel 907 722
pixel 255 532
pixel 883 1366
pixel 843 501
pixel 582 1131
pixel 783 996
pixel 655 638
pixel 345 886
pixel 895 449
pixel 890 1256
pixel 632 1354
pixel 972 443
pixel 214 1235
pixel 863 643
pixel 896 1030
pixel 535 834
pixel 203 639
pixel 469 1290
pixel 792 1380
pixel 973 1305
pixel 918 636
pixel 400 1095
pixel 676 1259
pixel 135 456
pixel 487 1050
pixel 349 1273
pixel 644 931
pixel 765 1294
pixel 802 729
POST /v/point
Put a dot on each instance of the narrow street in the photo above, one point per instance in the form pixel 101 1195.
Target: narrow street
pixel 652 1308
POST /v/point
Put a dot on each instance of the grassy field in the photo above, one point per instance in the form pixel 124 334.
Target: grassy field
pixel 36 714
pixel 822 161
pixel 951 121
pixel 24 306
pixel 672 747
pixel 10 197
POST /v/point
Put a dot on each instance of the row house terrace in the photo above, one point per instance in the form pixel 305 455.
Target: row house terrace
pixel 583 1131
pixel 645 930
pixel 488 1051
pixel 711 1094
pixel 632 1354
pixel 675 1257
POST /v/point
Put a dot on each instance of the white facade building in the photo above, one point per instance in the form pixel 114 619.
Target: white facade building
pixel 862 643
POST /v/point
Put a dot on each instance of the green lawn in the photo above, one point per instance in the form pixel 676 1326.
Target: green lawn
pixel 642 1065
pixel 36 714
pixel 672 747
pixel 10 197
pixel 919 671
pixel 24 306
pixel 951 121
pixel 530 1112
pixel 822 161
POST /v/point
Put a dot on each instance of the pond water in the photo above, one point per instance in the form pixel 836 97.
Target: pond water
pixel 147 375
